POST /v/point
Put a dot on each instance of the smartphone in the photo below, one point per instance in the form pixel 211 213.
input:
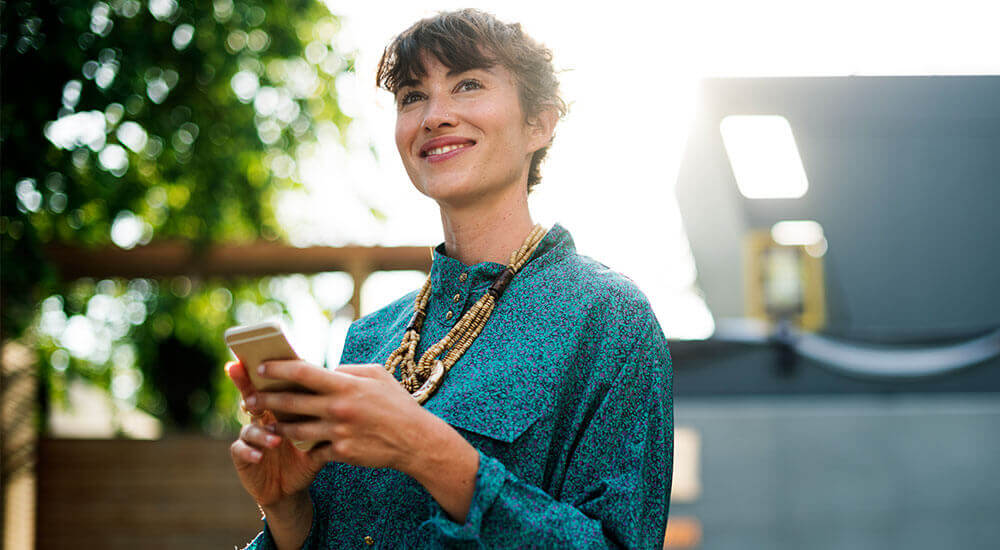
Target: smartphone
pixel 254 344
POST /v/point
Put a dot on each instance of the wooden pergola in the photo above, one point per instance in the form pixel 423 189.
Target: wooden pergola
pixel 174 258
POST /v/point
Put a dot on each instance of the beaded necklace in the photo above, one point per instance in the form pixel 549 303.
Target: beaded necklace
pixel 422 378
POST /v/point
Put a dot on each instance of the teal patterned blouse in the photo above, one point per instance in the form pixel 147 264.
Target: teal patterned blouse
pixel 567 395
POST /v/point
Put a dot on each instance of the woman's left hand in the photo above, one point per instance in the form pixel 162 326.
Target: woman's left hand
pixel 361 410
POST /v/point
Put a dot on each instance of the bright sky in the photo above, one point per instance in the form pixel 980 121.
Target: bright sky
pixel 631 73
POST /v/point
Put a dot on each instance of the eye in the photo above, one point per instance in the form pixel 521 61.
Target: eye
pixel 410 97
pixel 468 84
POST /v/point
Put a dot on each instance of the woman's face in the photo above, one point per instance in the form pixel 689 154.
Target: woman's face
pixel 462 136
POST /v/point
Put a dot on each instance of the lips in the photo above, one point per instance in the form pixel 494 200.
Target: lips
pixel 444 147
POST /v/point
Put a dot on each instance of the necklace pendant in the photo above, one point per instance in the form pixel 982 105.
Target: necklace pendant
pixel 432 383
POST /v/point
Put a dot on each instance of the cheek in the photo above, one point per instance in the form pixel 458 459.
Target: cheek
pixel 404 135
pixel 400 140
pixel 503 124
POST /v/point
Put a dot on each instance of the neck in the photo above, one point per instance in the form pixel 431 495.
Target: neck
pixel 487 232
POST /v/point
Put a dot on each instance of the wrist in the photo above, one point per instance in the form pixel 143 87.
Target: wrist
pixel 292 508
pixel 446 465
pixel 290 520
pixel 431 441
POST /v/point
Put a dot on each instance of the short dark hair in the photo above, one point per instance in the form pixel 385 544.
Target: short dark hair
pixel 472 39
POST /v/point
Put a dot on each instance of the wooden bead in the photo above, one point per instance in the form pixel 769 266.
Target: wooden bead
pixel 422 377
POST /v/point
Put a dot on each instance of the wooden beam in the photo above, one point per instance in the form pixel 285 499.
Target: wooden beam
pixel 171 258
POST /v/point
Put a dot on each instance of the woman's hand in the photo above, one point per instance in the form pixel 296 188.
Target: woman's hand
pixel 271 469
pixel 364 417
pixel 360 413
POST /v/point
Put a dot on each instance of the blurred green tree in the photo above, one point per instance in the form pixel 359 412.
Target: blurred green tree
pixel 126 121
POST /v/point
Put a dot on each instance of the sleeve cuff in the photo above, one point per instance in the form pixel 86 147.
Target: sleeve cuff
pixel 263 541
pixel 490 478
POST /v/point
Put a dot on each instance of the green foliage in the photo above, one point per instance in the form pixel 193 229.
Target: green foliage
pixel 126 121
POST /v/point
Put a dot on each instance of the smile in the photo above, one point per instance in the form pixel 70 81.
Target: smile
pixel 445 151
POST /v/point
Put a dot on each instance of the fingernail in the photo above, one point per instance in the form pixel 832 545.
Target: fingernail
pixel 260 369
pixel 251 401
pixel 272 439
pixel 256 455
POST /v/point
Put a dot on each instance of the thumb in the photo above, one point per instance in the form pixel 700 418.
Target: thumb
pixel 238 374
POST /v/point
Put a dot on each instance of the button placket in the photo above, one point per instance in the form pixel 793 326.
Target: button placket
pixel 444 298
pixel 456 308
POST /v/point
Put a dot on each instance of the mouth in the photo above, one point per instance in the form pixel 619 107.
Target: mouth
pixel 438 152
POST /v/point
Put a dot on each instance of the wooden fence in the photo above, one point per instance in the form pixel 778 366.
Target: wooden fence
pixel 171 493
pixel 174 493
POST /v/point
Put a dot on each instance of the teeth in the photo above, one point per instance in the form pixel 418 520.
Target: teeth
pixel 445 149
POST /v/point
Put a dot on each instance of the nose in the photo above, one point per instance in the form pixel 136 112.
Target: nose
pixel 438 114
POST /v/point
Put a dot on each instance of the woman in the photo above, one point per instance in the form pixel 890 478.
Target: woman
pixel 523 396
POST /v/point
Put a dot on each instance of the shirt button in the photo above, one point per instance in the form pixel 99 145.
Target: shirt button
pixel 369 541
pixel 456 298
pixel 448 315
pixel 463 277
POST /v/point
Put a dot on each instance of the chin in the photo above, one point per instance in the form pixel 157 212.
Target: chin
pixel 449 189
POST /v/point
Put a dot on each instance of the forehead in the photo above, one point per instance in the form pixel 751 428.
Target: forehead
pixel 431 68
pixel 415 66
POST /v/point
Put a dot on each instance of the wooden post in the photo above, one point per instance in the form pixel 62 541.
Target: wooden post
pixel 18 416
pixel 359 269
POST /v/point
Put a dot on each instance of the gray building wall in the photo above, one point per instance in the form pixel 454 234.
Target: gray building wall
pixel 904 177
pixel 914 471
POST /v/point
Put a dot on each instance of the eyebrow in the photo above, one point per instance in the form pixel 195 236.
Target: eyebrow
pixel 411 82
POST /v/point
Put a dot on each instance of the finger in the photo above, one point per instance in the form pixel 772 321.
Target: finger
pixel 321 453
pixel 292 402
pixel 314 378
pixel 264 419
pixel 316 430
pixel 258 436
pixel 368 371
pixel 238 374
pixel 333 451
pixel 257 414
pixel 244 454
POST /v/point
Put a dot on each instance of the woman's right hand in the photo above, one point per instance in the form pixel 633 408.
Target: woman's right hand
pixel 272 470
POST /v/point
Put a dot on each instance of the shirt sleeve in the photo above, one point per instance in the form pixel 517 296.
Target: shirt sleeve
pixel 617 487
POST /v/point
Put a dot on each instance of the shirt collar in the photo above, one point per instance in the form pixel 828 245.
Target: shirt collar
pixel 447 272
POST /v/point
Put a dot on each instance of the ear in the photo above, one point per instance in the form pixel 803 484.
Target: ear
pixel 541 127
